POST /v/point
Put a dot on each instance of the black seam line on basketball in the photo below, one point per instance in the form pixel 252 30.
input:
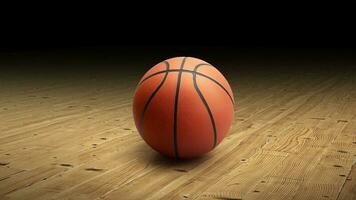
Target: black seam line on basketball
pixel 204 102
pixel 176 110
pixel 190 71
pixel 171 70
pixel 151 97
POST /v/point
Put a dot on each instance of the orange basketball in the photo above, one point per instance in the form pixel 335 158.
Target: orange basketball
pixel 183 107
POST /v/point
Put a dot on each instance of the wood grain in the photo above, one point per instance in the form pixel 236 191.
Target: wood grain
pixel 294 137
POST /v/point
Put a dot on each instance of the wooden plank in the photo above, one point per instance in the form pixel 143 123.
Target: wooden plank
pixel 293 138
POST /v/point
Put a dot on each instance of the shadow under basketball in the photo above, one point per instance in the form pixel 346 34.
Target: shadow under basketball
pixel 155 159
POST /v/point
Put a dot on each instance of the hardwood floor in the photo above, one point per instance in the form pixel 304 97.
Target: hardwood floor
pixel 294 137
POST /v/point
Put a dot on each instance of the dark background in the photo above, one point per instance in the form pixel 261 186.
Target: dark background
pixel 129 38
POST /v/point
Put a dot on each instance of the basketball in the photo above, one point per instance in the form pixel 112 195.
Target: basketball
pixel 183 107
